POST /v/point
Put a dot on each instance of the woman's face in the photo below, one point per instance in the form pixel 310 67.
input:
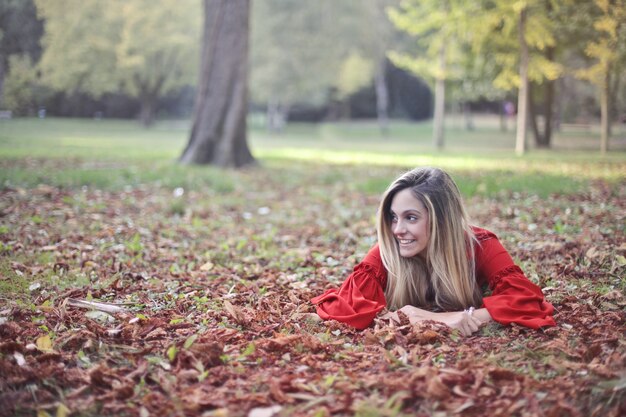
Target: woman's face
pixel 409 224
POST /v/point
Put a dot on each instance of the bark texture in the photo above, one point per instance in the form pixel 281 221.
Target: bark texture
pixel 218 135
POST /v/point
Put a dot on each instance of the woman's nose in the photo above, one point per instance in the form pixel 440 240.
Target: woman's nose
pixel 398 228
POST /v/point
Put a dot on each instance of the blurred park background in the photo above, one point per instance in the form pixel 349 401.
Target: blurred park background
pixel 389 76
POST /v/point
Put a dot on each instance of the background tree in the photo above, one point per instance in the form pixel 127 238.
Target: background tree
pixel 515 35
pixel 21 85
pixel 355 73
pixel 608 50
pixel 140 47
pixel 218 135
pixel 372 35
pixel 476 84
pixel 441 28
pixel 297 51
pixel 20 31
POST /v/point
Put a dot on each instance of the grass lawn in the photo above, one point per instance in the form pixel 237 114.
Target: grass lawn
pixel 206 275
pixel 119 153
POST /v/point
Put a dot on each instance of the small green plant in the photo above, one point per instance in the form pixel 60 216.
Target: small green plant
pixel 36 219
pixel 374 406
pixel 559 227
pixel 134 245
pixel 177 207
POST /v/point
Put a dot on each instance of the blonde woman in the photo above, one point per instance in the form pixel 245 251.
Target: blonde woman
pixel 431 264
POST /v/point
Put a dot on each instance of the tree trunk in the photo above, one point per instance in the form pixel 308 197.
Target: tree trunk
pixel 548 116
pixel 522 99
pixel 146 114
pixel 604 113
pixel 558 105
pixel 440 103
pixel 503 117
pixel 276 116
pixel 382 98
pixel 543 139
pixel 468 116
pixel 2 75
pixel 148 95
pixel 532 113
pixel 614 86
pixel 218 135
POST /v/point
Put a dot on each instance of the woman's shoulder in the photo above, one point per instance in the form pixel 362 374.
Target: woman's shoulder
pixel 373 256
pixel 483 234
pixel 372 266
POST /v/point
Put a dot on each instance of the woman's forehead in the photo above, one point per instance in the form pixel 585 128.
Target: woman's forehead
pixel 404 200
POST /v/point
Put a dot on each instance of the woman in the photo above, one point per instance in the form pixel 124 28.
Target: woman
pixel 430 264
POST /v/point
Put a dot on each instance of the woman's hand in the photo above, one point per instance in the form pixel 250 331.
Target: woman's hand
pixel 414 314
pixel 467 323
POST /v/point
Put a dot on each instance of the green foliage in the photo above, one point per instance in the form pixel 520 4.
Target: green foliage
pixel 355 73
pixel 21 85
pixel 286 63
pixel 88 65
pixel 439 28
pixel 480 40
pixel 500 37
pixel 136 47
pixel 298 48
pixel 19 46
pixel 607 47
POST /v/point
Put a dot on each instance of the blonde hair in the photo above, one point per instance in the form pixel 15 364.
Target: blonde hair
pixel 446 278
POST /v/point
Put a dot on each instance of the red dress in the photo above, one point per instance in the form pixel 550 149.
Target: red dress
pixel 514 298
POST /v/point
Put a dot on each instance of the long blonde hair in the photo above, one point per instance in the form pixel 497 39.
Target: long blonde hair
pixel 446 278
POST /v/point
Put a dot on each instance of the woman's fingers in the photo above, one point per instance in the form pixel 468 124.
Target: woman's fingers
pixel 471 323
pixel 468 324
pixel 477 322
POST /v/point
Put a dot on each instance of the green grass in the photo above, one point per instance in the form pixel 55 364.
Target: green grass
pixel 113 154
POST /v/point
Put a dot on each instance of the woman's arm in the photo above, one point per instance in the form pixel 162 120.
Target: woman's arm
pixel 514 298
pixel 361 296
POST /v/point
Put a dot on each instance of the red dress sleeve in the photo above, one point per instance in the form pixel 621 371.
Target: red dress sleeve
pixel 361 296
pixel 514 299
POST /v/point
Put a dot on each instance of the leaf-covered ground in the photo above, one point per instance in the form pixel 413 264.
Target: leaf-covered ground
pixel 210 290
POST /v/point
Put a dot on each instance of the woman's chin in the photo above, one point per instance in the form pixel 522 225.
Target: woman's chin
pixel 408 253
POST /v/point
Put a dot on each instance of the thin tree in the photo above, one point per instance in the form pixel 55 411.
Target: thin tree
pixel 609 54
pixel 441 29
pixel 516 36
pixel 430 23
pixel 218 135
pixel 522 98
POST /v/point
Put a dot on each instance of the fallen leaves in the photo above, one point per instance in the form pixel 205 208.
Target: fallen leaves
pixel 114 303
